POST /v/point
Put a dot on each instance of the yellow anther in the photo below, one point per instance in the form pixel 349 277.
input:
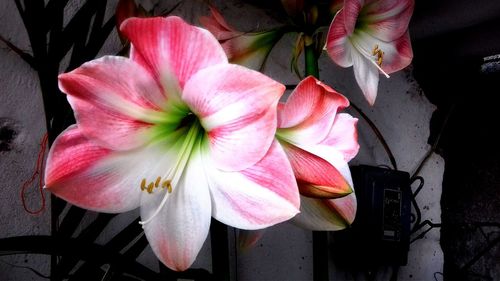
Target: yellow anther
pixel 150 187
pixel 156 184
pixel 168 185
pixel 379 53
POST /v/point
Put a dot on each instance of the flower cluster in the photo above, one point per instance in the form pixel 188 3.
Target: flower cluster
pixel 369 35
pixel 179 131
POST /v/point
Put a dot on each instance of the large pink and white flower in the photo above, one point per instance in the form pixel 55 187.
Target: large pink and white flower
pixel 319 141
pixel 371 36
pixel 178 131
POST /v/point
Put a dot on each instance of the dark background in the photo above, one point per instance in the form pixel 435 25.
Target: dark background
pixel 450 40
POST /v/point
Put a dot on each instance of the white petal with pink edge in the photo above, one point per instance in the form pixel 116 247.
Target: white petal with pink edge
pixel 167 46
pixel 367 76
pixel 72 173
pixel 317 177
pixel 343 136
pixel 351 11
pixel 332 156
pixel 237 108
pixel 326 214
pixel 96 178
pixel 338 46
pixel 309 112
pixel 388 19
pixel 179 221
pixel 257 197
pixel 115 101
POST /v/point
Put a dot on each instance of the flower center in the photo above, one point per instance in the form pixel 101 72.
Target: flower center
pixel 174 174
pixel 376 56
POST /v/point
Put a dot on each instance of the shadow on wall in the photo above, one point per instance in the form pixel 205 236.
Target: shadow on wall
pixel 457 73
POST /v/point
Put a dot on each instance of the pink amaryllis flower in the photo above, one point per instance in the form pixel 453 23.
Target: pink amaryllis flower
pixel 371 36
pixel 249 49
pixel 178 131
pixel 319 141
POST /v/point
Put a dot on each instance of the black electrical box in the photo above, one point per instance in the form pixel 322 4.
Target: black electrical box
pixel 380 234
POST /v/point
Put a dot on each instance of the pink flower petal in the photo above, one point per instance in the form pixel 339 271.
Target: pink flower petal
pixel 337 43
pixel 170 46
pixel 247 49
pixel 351 11
pixel 309 112
pixel 217 25
pixel 259 196
pixel 237 108
pixel 388 19
pixel 251 49
pixel 112 98
pixel 177 232
pixel 343 136
pixel 326 214
pixel 247 239
pixel 96 178
pixel 399 56
pixel 316 177
pixel 77 172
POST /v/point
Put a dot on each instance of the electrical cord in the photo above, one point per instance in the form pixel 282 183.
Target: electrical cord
pixel 417 217
pixel 418 225
pixel 378 134
pixel 436 274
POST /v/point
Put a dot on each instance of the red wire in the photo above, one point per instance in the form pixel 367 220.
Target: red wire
pixel 39 171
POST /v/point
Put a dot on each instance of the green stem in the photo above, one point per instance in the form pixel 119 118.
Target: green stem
pixel 320 238
pixel 311 57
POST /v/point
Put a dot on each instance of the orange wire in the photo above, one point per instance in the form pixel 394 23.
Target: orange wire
pixel 39 171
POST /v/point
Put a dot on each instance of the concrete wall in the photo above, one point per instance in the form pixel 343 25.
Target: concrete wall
pixel 402 113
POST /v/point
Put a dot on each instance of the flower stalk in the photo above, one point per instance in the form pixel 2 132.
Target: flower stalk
pixel 311 57
pixel 320 238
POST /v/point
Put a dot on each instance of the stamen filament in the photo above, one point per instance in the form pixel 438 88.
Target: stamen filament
pixel 176 172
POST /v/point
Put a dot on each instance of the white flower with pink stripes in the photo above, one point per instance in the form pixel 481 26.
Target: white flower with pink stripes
pixel 372 37
pixel 177 131
pixel 319 140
